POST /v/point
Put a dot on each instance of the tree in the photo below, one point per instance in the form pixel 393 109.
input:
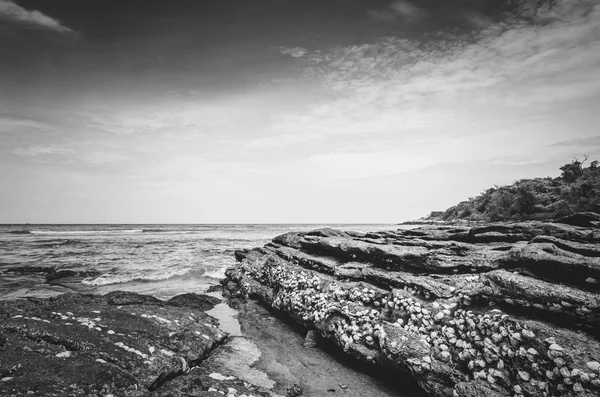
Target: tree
pixel 576 190
pixel 526 197
pixel 572 172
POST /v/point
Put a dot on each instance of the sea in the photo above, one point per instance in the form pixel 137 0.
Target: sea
pixel 159 260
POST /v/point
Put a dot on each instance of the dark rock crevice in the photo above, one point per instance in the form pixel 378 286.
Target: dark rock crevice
pixel 187 365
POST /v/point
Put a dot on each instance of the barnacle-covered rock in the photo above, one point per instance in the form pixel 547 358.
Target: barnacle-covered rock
pixel 493 310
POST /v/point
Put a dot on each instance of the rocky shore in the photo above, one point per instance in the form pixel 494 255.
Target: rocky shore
pixel 119 344
pixel 505 309
pixel 126 344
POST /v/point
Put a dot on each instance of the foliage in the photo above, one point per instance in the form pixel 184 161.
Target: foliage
pixel 577 189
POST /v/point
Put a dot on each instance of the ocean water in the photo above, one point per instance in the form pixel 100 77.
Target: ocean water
pixel 160 260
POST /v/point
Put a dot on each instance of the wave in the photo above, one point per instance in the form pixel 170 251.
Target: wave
pixel 114 231
pixel 176 231
pixel 107 279
pixel 56 243
pixel 19 232
pixel 217 274
pixel 230 239
pixel 171 231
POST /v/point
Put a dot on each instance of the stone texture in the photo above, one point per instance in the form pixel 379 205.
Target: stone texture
pixel 120 344
pixel 494 310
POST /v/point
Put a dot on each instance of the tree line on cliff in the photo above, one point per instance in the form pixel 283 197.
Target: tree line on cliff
pixel 577 189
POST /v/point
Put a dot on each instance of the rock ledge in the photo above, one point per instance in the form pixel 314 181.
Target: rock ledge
pixel 119 344
pixel 487 310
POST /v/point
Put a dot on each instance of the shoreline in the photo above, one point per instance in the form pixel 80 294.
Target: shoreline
pixel 252 347
pixel 322 311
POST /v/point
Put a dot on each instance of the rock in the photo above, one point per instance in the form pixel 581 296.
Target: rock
pixel 197 301
pixel 118 298
pixel 294 391
pixel 583 219
pixel 488 310
pixel 547 261
pixel 210 380
pixel 412 258
pixel 594 366
pixel 529 293
pixel 311 339
pixel 56 281
pixel 121 344
pixel 241 254
pixel 53 276
pixel 320 263
pixel 572 246
pixel 291 239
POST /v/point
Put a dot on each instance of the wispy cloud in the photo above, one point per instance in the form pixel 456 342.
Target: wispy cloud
pixel 523 57
pixel 473 95
pixel 13 125
pixel 477 19
pixel 403 9
pixel 580 142
pixel 295 52
pixel 14 12
pixel 407 10
pixel 39 150
pixel 509 65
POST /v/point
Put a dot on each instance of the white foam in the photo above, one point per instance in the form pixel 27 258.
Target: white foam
pixel 218 376
pixel 107 279
pixel 117 231
pixel 216 273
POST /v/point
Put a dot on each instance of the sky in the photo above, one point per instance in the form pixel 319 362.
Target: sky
pixel 287 111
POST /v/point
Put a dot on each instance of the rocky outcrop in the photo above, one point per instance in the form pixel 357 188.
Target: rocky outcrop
pixel 119 344
pixel 487 310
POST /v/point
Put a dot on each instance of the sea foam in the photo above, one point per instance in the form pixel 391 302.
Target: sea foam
pixel 122 278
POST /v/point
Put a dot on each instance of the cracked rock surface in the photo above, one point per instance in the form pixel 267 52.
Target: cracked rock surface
pixel 119 344
pixel 507 309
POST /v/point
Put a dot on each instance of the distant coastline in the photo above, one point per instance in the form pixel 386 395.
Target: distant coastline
pixel 576 190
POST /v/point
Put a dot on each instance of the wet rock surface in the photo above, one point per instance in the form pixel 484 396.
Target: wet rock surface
pixel 51 281
pixel 119 344
pixel 485 310
pixel 315 369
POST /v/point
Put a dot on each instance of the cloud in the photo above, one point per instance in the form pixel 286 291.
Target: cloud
pixel 15 13
pixel 14 125
pixel 145 122
pixel 181 93
pixel 582 142
pixel 477 19
pixel 399 9
pixel 38 150
pixel 295 52
pixel 407 10
pixel 509 64
pixel 507 90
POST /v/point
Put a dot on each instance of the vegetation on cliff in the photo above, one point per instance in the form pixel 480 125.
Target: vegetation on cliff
pixel 577 189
